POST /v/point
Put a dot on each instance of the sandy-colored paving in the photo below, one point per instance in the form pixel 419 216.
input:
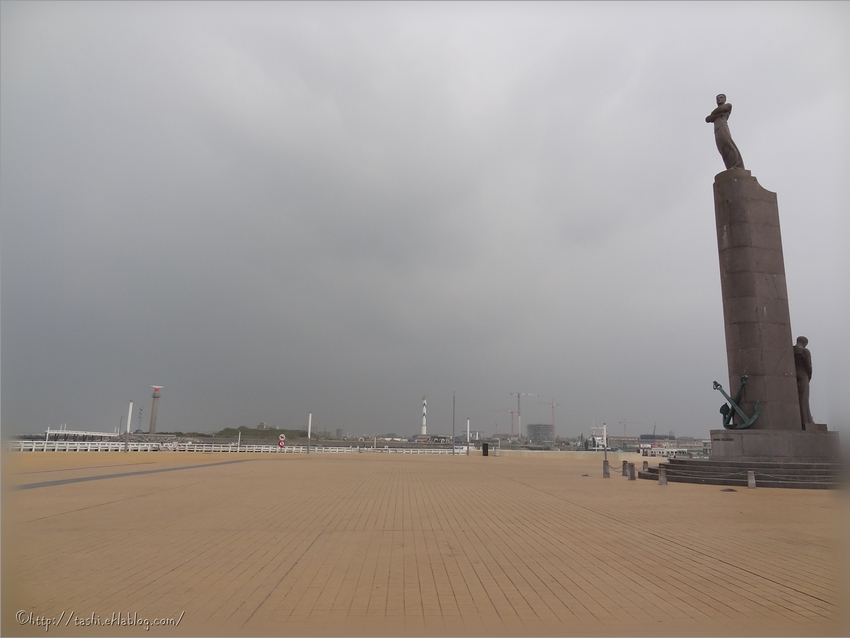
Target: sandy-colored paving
pixel 367 544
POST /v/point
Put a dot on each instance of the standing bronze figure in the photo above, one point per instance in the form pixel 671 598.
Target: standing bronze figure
pixel 803 368
pixel 728 150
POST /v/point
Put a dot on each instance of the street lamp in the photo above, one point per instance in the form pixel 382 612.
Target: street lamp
pixel 606 470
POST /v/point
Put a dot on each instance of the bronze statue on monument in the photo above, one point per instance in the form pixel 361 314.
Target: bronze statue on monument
pixel 803 366
pixel 722 137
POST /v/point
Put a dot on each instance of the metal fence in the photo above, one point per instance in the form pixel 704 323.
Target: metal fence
pixel 118 446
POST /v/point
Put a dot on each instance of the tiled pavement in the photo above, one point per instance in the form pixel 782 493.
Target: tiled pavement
pixel 365 544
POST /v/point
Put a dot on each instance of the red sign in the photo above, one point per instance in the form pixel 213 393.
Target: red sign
pixel 281 443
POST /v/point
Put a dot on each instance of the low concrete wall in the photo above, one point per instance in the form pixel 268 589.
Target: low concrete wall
pixel 614 458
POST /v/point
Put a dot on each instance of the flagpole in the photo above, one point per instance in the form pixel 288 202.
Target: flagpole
pixel 453 422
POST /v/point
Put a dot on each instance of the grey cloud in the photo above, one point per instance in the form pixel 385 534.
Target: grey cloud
pixel 283 208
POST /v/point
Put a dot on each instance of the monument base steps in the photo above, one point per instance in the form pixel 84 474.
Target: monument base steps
pixel 829 475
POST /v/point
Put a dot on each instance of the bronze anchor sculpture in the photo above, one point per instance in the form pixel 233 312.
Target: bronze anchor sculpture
pixel 728 410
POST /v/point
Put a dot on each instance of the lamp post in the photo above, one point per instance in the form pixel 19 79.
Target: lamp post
pixel 127 433
pixel 606 471
pixel 605 440
pixel 453 422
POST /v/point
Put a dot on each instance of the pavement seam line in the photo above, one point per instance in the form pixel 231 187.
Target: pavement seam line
pixel 83 479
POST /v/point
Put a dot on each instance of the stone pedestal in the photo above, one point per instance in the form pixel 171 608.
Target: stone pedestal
pixel 755 301
pixel 758 331
pixel 775 445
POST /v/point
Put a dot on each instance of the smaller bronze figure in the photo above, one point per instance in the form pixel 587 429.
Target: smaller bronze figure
pixel 722 137
pixel 803 367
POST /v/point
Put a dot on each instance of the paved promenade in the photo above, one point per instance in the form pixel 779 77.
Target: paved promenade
pixel 241 544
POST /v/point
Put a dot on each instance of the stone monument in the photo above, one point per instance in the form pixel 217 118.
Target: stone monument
pixel 763 419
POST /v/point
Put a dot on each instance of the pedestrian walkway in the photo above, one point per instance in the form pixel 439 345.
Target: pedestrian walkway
pixel 536 544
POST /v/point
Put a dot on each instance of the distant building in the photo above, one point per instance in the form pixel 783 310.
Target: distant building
pixel 667 452
pixel 339 433
pixel 625 443
pixel 540 432
pixel 656 437
pixel 263 426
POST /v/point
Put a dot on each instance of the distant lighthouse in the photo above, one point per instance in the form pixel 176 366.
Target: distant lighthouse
pixel 424 426
pixel 155 396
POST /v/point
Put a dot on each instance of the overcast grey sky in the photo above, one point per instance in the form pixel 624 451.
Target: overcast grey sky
pixel 279 208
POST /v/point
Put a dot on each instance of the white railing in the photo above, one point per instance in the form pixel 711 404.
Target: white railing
pixel 118 446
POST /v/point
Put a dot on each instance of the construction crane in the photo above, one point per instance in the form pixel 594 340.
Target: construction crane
pixel 512 419
pixel 623 423
pixel 518 411
pixel 553 404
